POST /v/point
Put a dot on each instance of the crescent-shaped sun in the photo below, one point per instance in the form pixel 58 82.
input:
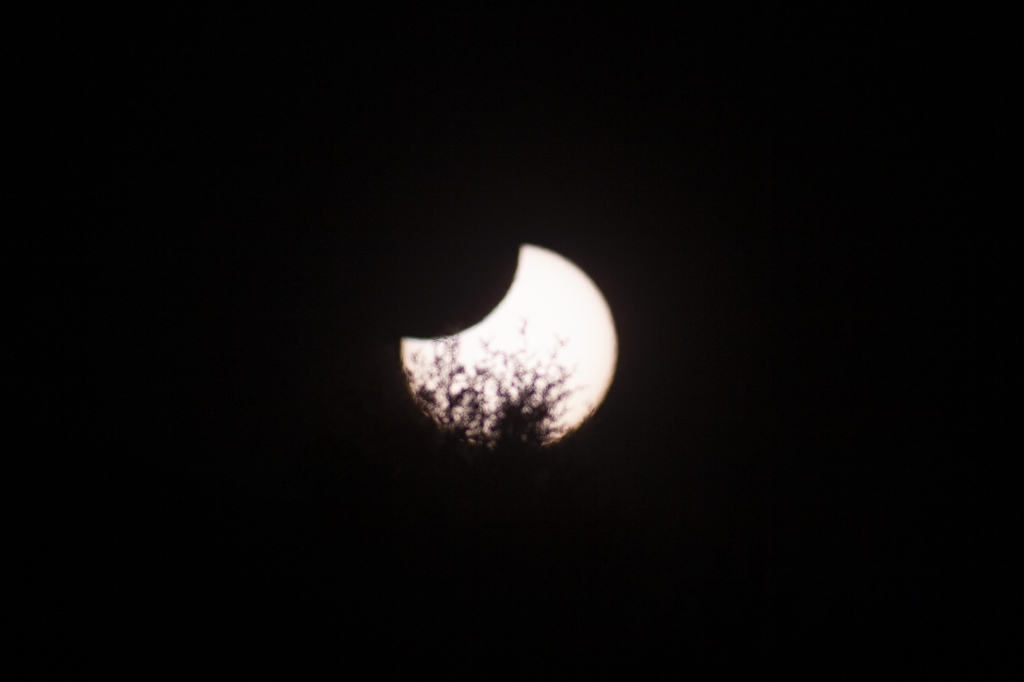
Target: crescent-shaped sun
pixel 552 311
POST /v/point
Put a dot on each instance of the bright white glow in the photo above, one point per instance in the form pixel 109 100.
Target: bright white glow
pixel 558 302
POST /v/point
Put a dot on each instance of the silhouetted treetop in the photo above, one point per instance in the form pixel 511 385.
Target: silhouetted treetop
pixel 506 400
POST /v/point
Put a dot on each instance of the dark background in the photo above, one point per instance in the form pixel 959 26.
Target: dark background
pixel 780 469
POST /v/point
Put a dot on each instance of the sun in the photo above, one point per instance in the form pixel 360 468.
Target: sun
pixel 553 319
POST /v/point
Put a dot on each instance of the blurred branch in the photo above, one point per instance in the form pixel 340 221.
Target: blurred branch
pixel 508 400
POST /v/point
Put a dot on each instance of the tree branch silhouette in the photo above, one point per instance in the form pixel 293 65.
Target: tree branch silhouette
pixel 506 401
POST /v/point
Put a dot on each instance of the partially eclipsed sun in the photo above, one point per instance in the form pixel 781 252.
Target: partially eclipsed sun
pixel 552 310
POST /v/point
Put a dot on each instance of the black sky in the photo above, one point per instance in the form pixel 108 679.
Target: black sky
pixel 760 202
